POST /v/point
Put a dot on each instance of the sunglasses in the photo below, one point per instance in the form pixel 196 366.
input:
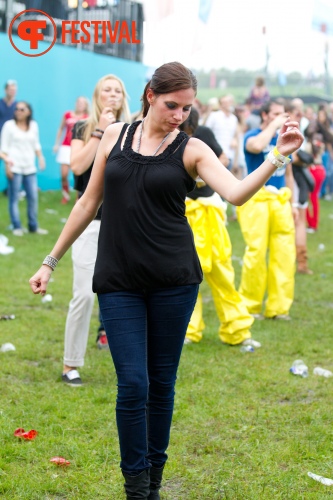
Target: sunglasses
pixel 20 109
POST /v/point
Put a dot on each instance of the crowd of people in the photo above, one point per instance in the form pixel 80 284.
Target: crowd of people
pixel 150 221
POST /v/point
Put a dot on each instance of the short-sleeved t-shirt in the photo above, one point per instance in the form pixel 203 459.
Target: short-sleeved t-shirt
pixel 70 119
pixel 253 161
pixel 6 112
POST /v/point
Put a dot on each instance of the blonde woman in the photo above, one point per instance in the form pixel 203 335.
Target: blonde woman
pixel 63 150
pixel 109 104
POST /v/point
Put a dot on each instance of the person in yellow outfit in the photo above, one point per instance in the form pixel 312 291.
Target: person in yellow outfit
pixel 205 213
pixel 267 225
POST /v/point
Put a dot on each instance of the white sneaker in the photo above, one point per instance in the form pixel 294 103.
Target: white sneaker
pixel 187 341
pixel 39 230
pixel 18 232
pixel 310 230
pixel 252 343
pixel 284 317
pixel 258 316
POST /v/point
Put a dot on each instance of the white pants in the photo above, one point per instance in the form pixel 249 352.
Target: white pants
pixel 84 252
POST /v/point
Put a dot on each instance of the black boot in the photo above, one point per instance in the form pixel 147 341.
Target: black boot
pixel 137 487
pixel 155 483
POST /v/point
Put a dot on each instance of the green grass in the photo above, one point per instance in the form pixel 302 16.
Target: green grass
pixel 244 428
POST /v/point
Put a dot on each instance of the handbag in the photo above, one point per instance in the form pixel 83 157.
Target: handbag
pixel 304 181
pixel 308 178
pixel 305 157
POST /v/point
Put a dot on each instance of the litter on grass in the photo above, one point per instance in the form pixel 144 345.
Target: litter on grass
pixel 7 316
pixel 47 298
pixel 247 348
pixel 4 248
pixel 299 368
pixel 7 347
pixel 323 480
pixel 29 435
pixel 322 372
pixel 60 461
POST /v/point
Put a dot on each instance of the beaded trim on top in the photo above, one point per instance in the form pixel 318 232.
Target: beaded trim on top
pixel 133 155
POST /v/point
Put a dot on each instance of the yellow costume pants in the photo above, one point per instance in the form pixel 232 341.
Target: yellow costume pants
pixel 207 220
pixel 269 261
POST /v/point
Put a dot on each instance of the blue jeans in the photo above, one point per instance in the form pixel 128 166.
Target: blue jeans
pixel 329 177
pixel 146 331
pixel 30 186
pixel 101 325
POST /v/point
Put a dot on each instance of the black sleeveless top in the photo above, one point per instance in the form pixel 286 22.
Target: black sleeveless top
pixel 81 181
pixel 145 240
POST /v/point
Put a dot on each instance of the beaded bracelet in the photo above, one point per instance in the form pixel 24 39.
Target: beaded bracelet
pixel 51 262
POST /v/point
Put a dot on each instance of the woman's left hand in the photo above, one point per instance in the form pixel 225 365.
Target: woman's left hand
pixel 290 138
pixel 41 162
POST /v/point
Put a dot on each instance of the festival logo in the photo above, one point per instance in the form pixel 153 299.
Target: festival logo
pixel 37 32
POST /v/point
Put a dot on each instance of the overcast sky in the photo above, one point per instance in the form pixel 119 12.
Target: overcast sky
pixel 233 36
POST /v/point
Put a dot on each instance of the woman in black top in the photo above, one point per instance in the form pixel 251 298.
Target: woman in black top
pixel 147 271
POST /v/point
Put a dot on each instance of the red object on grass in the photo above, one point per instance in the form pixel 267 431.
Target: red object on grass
pixel 60 461
pixel 29 435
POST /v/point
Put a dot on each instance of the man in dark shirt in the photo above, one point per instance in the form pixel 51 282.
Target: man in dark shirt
pixel 8 103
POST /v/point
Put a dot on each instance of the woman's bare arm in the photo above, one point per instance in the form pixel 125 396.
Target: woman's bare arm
pixel 200 160
pixel 83 212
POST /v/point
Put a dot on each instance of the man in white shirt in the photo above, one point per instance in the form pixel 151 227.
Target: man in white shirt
pixel 223 123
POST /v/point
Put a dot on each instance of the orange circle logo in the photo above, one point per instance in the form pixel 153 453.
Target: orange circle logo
pixel 30 31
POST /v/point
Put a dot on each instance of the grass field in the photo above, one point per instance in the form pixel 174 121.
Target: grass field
pixel 244 428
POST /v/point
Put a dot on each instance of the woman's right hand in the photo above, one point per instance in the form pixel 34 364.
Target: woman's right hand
pixel 107 118
pixel 39 281
pixel 55 148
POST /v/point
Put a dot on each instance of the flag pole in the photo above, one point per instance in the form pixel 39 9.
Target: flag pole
pixel 267 55
pixel 323 29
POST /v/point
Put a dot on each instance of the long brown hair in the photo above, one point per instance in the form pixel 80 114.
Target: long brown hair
pixel 169 77
pixel 28 118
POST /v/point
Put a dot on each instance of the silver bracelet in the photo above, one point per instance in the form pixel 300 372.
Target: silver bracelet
pixel 51 262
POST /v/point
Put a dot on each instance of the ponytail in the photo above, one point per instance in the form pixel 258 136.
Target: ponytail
pixel 145 103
